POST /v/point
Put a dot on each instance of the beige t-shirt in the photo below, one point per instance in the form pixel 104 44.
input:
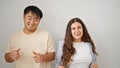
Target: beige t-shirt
pixel 40 41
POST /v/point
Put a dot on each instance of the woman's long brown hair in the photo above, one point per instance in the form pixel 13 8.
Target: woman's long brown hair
pixel 68 49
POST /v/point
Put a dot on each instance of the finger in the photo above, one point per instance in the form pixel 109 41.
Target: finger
pixel 34 53
pixel 93 65
pixel 18 50
pixel 37 60
pixel 14 59
pixel 61 67
pixel 14 56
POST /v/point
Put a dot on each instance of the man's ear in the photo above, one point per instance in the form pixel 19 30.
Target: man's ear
pixel 23 16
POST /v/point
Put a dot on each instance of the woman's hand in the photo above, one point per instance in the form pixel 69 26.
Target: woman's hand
pixel 60 66
pixel 94 65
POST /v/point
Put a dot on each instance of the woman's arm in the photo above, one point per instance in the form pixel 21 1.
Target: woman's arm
pixel 59 54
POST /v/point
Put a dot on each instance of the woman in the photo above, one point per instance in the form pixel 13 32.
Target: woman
pixel 77 50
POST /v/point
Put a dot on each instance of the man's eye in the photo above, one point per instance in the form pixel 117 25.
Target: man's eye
pixel 29 18
pixel 36 19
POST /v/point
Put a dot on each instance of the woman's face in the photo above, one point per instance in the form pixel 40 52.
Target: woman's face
pixel 77 31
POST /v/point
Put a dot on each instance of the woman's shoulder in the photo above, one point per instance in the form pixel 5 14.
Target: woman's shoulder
pixel 61 43
pixel 88 43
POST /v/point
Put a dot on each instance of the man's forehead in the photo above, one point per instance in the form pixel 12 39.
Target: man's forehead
pixel 31 14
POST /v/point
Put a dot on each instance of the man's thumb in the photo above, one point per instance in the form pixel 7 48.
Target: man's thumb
pixel 18 50
pixel 34 53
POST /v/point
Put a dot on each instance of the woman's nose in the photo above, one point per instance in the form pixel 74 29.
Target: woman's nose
pixel 77 30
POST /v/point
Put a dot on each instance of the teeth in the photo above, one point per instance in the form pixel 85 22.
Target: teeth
pixel 30 25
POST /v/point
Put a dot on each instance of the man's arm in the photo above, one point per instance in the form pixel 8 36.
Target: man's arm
pixel 43 57
pixel 12 56
pixel 49 57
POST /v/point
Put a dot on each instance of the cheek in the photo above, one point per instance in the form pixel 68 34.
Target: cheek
pixel 82 32
pixel 26 22
pixel 72 32
pixel 36 23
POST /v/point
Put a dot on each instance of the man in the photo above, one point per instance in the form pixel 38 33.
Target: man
pixel 31 47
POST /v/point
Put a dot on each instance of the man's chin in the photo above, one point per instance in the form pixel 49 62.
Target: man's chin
pixel 32 30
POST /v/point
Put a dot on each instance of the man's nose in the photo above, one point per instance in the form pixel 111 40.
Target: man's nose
pixel 32 21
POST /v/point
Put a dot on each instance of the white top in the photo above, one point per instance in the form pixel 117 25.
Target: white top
pixel 40 41
pixel 82 57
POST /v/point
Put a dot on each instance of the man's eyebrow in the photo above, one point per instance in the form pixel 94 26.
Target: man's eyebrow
pixel 36 17
pixel 29 16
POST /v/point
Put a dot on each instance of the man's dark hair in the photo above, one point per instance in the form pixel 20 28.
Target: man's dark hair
pixel 34 10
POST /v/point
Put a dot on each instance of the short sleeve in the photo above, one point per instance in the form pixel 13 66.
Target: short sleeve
pixel 50 45
pixel 10 45
pixel 94 56
pixel 59 54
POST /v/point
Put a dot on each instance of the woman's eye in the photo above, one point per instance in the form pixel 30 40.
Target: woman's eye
pixel 79 27
pixel 73 28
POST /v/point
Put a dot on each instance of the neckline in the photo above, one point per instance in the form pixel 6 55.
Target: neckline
pixel 78 42
pixel 29 34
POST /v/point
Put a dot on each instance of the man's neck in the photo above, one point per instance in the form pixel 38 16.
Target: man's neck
pixel 28 32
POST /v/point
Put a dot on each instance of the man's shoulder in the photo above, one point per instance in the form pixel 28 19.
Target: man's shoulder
pixel 16 33
pixel 42 31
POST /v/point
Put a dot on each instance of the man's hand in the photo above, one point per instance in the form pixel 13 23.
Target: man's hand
pixel 38 57
pixel 14 55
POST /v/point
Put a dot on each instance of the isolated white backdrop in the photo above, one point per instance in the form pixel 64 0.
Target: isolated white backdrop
pixel 102 18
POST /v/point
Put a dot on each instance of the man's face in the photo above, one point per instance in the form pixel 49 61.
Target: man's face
pixel 31 21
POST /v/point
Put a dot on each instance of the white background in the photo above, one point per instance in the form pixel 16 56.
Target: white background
pixel 102 18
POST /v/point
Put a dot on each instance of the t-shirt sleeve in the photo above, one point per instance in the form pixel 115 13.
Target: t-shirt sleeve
pixel 10 45
pixel 50 44
pixel 59 54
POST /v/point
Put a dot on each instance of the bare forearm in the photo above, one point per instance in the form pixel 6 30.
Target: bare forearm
pixel 49 57
pixel 7 58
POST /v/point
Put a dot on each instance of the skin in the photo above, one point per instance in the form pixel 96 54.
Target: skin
pixel 31 22
pixel 94 65
pixel 12 56
pixel 77 33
